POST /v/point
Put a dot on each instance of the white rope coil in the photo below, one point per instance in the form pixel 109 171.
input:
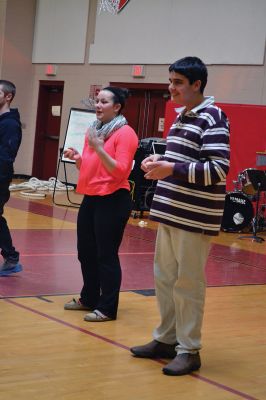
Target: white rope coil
pixel 36 187
pixel 32 193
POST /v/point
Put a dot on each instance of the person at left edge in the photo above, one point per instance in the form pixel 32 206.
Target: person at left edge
pixel 105 164
pixel 10 139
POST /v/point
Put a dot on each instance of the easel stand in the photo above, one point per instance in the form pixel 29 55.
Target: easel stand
pixel 70 202
pixel 258 181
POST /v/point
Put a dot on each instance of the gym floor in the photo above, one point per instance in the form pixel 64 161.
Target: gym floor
pixel 49 353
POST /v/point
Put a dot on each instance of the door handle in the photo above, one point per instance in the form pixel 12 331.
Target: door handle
pixel 51 137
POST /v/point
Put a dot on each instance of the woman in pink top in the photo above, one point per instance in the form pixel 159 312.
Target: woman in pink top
pixel 104 165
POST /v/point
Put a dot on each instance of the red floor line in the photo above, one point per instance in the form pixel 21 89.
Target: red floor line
pixel 103 338
pixel 60 321
pixel 74 254
pixel 221 386
pixel 232 260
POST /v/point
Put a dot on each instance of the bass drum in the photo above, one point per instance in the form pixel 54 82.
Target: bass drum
pixel 238 212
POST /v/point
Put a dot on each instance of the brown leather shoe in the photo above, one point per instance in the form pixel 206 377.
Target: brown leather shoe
pixel 154 349
pixel 183 364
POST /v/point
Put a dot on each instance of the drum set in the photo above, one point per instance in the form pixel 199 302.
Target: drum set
pixel 245 208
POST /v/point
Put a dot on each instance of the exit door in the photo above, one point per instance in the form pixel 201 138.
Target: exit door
pixel 47 129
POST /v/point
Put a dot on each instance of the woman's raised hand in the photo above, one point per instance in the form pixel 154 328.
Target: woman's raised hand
pixel 94 141
pixel 72 154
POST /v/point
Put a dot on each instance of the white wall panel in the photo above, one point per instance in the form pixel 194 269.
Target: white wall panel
pixel 60 31
pixel 161 31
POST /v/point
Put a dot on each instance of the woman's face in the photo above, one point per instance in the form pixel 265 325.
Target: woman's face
pixel 106 110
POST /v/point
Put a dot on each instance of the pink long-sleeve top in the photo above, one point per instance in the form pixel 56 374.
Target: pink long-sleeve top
pixel 94 178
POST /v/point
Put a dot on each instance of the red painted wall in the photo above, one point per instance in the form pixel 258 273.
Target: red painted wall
pixel 248 135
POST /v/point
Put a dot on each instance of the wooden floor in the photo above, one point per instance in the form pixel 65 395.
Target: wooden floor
pixel 48 353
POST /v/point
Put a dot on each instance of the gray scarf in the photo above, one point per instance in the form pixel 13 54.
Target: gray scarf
pixel 105 130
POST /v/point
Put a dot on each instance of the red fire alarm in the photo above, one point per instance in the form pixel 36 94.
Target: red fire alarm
pixel 138 71
pixel 50 70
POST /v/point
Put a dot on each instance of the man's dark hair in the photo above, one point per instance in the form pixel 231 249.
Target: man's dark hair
pixel 193 69
pixel 8 87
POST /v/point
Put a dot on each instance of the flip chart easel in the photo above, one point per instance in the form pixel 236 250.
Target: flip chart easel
pixel 78 122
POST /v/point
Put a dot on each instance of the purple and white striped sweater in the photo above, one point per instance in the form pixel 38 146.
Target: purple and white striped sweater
pixel 193 197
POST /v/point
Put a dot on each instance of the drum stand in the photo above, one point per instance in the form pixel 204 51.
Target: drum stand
pixel 258 180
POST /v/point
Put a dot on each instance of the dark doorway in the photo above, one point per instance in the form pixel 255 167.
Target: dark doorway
pixel 145 108
pixel 47 129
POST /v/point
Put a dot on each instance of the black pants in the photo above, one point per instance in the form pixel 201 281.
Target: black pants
pixel 101 224
pixel 7 250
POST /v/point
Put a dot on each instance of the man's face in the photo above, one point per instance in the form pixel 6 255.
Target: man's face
pixel 182 92
pixel 4 98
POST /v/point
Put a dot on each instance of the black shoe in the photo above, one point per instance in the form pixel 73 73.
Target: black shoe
pixel 154 349
pixel 183 364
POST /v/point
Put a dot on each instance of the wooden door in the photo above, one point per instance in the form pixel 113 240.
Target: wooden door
pixel 156 111
pixel 145 108
pixel 134 111
pixel 47 129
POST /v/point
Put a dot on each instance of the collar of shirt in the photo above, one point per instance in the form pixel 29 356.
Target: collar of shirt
pixel 208 100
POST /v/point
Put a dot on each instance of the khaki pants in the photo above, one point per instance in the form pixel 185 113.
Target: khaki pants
pixel 180 258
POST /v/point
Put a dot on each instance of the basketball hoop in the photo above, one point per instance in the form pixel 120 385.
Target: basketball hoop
pixel 110 6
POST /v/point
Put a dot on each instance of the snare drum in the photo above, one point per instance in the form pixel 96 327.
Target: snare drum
pixel 247 186
pixel 238 212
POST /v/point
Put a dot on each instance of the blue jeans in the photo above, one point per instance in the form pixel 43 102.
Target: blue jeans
pixel 8 251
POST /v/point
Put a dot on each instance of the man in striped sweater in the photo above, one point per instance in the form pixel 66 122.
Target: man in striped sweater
pixel 188 204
